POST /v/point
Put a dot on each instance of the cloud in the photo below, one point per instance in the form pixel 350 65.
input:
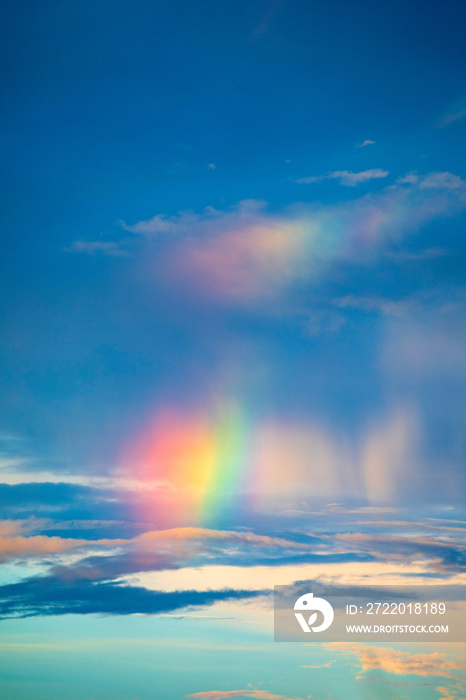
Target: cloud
pixel 51 595
pixel 442 181
pixel 386 307
pixel 324 322
pixel 14 547
pixel 367 142
pixel 187 534
pixel 269 16
pixel 347 178
pixel 417 255
pixel 248 256
pixel 453 117
pixel 455 113
pixel 182 223
pixel 248 693
pixel 65 501
pixel 452 693
pixel 433 181
pixel 399 663
pixel 202 560
pixel 14 544
pixel 115 248
pixel 445 693
pixel 411 178
pixel 433 344
pixel 201 554
pixel 102 483
pixel 444 554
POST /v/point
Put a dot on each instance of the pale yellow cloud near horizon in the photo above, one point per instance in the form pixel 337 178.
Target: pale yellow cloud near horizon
pixel 397 662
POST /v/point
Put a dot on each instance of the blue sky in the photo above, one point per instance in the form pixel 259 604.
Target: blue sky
pixel 233 338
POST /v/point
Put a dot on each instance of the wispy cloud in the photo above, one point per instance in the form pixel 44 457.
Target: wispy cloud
pixel 453 117
pixel 399 663
pixel 52 595
pixel 455 113
pixel 445 693
pixel 417 255
pixel 268 18
pixel 444 554
pixel 115 248
pixel 15 543
pixel 433 181
pixel 387 307
pixel 324 322
pixel 247 693
pixel 455 691
pixel 346 177
pixel 179 224
pixel 39 545
pixel 187 534
pixel 366 142
pixel 248 256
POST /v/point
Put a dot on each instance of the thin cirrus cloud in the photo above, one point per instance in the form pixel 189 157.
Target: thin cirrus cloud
pixel 386 307
pixel 95 247
pixel 366 142
pixel 346 177
pixel 454 113
pixel 453 117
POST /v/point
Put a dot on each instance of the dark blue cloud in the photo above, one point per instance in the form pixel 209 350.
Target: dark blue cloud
pixel 49 595
pixel 60 501
pixel 99 568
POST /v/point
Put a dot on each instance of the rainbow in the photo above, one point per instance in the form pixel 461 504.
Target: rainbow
pixel 199 466
pixel 202 458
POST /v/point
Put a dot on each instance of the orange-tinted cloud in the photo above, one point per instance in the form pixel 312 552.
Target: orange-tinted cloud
pixel 248 693
pixel 399 662
pixel 15 543
pixel 445 693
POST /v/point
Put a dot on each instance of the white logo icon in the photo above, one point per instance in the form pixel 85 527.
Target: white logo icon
pixel 310 604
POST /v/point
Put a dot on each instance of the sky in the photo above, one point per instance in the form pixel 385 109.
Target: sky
pixel 233 340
